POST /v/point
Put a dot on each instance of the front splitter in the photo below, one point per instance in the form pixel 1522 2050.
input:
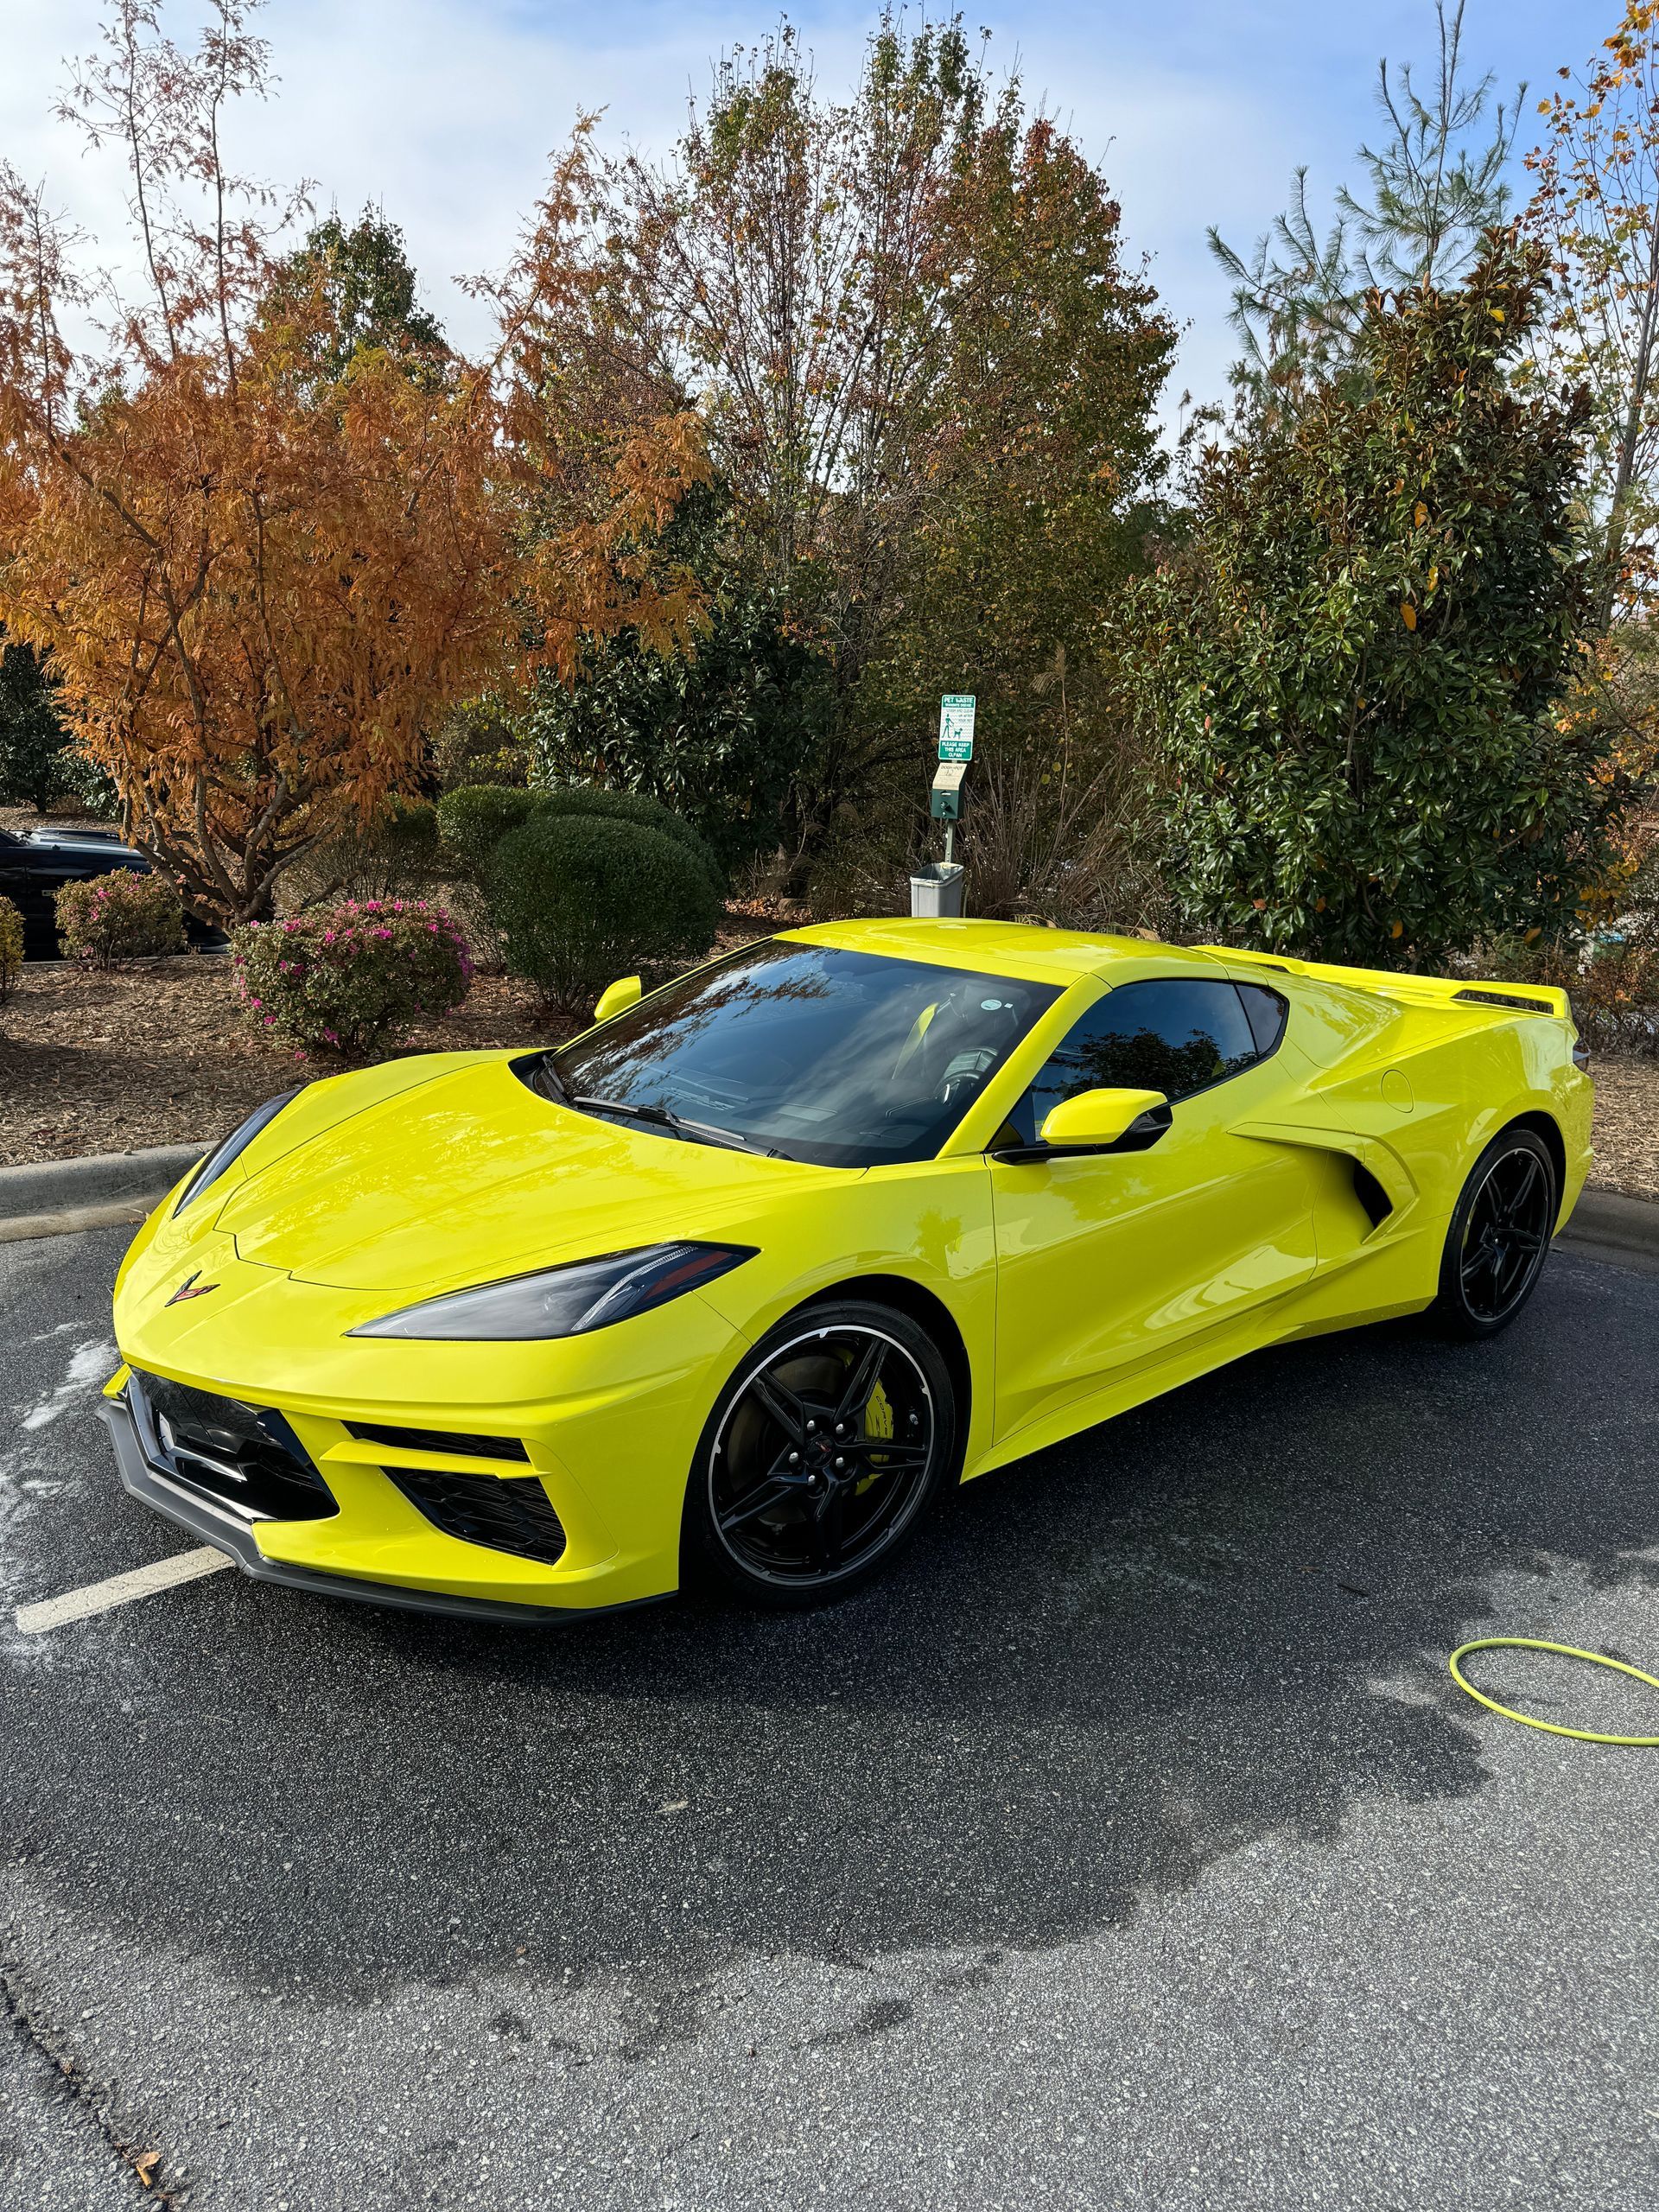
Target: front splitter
pixel 200 1518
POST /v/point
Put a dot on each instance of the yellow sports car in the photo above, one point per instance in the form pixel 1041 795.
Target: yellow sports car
pixel 734 1285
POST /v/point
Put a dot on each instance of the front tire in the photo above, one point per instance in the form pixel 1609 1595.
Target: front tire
pixel 1499 1236
pixel 820 1458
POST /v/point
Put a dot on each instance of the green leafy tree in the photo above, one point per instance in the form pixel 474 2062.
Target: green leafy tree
pixel 721 734
pixel 363 281
pixel 39 765
pixel 1434 187
pixel 1356 665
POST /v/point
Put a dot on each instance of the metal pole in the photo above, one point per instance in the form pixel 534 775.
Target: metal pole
pixel 950 842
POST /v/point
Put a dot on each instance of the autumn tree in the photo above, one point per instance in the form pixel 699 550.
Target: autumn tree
pixel 927 375
pixel 1358 665
pixel 258 586
pixel 1595 211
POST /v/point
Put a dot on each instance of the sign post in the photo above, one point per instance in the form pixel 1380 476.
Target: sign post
pixel 936 890
pixel 956 751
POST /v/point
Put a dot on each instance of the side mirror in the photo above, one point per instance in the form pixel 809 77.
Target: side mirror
pixel 618 999
pixel 1095 1119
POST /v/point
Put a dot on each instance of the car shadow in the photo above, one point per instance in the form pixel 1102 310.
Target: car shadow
pixel 1220 1618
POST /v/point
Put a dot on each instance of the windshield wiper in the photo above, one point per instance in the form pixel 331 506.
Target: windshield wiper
pixel 701 1132
pixel 551 1084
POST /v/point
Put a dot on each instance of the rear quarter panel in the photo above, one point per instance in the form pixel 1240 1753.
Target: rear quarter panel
pixel 1434 1082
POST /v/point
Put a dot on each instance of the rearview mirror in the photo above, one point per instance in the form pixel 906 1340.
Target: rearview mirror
pixel 619 998
pixel 1095 1118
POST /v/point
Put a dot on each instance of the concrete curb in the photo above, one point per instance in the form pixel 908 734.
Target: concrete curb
pixel 53 1198
pixel 1622 1231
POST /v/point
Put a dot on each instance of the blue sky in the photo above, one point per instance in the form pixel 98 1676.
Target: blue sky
pixel 444 109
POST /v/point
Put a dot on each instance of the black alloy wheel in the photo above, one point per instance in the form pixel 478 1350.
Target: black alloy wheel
pixel 819 1457
pixel 1499 1236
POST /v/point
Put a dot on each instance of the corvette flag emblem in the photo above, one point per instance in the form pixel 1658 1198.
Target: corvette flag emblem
pixel 191 1289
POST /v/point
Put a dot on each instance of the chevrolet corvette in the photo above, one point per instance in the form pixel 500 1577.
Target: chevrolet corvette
pixel 734 1287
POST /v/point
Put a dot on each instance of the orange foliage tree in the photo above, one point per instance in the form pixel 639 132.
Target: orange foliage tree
pixel 259 585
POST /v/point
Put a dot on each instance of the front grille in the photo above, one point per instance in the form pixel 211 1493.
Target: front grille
pixel 244 1457
pixel 1511 998
pixel 437 1439
pixel 509 1512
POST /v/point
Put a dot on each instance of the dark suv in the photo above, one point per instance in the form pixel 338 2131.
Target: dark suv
pixel 32 866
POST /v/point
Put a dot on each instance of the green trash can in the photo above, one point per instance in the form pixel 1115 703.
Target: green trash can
pixel 936 891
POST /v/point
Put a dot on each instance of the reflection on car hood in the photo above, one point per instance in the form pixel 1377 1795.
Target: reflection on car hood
pixel 472 1177
pixel 74 841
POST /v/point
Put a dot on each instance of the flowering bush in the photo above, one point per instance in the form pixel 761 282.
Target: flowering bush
pixel 351 978
pixel 120 916
pixel 11 949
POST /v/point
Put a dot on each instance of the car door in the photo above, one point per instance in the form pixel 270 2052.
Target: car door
pixel 1109 1263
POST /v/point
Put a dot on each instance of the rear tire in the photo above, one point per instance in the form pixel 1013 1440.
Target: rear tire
pixel 1498 1237
pixel 820 1458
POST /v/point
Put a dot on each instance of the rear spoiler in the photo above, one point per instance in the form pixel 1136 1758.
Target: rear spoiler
pixel 1414 990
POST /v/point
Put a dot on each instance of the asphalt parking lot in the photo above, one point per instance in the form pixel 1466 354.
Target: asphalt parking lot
pixel 1129 1847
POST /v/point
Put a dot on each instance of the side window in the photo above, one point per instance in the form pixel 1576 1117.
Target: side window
pixel 1176 1035
pixel 1265 1011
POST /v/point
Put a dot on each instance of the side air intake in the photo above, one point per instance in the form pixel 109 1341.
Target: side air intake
pixel 1371 1195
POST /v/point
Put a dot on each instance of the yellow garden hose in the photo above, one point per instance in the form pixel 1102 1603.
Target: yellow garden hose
pixel 1567 1652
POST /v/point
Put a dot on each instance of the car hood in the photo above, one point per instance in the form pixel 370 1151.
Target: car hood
pixel 66 841
pixel 473 1176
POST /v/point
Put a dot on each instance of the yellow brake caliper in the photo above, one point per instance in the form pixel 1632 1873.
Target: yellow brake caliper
pixel 877 1421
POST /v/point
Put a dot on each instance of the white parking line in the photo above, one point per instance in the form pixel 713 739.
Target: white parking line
pixel 120 1589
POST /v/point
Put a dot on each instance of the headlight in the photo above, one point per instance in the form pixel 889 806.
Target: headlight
pixel 567 1301
pixel 234 1144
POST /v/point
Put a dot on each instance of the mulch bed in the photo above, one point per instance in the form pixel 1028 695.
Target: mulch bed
pixel 1627 1125
pixel 155 1053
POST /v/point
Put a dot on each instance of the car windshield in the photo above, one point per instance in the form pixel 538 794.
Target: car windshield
pixel 847 1059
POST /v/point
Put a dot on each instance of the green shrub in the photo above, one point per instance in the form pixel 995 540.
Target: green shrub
pixel 11 949
pixel 473 821
pixel 595 799
pixel 120 916
pixel 580 898
pixel 351 978
pixel 410 830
